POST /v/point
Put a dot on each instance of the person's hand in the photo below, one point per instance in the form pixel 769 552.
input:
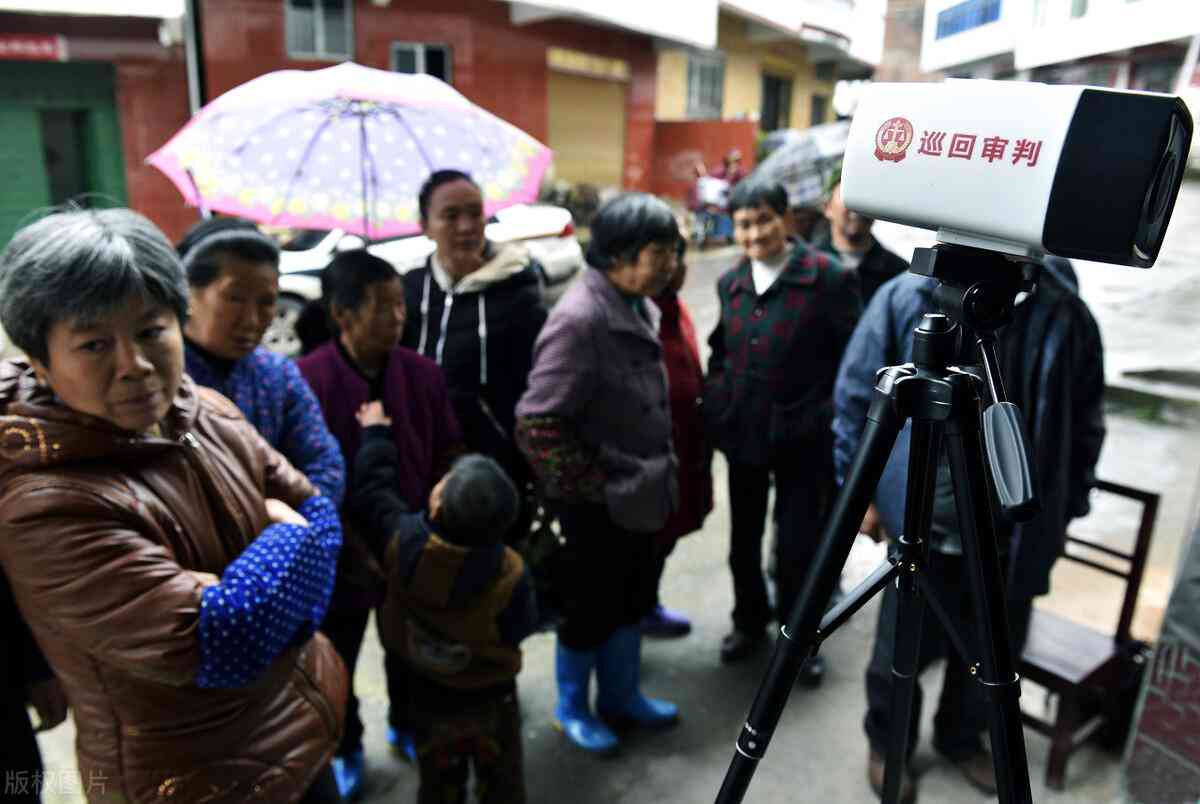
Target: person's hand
pixel 435 499
pixel 50 703
pixel 205 579
pixel 871 524
pixel 371 413
pixel 281 513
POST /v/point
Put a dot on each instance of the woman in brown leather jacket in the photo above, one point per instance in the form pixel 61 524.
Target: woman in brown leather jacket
pixel 171 565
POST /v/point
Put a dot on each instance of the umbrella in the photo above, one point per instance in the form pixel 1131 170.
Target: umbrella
pixel 345 147
pixel 802 160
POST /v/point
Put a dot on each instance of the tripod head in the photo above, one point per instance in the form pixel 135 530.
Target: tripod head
pixel 977 290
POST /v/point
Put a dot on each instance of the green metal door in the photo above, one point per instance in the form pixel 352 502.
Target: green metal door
pixel 61 139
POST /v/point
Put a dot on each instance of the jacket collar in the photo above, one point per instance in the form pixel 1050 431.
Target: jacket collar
pixel 38 430
pixel 620 313
pixel 507 261
pixel 802 269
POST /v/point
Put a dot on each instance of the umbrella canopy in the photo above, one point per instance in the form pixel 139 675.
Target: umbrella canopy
pixel 802 160
pixel 345 147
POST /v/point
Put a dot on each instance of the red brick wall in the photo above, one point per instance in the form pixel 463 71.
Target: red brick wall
pixel 497 65
pixel 152 101
pixel 679 145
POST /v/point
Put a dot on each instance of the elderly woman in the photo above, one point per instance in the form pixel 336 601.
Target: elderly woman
pixel 149 535
pixel 233 277
pixel 475 308
pixel 685 383
pixel 596 428
pixel 364 297
pixel 787 312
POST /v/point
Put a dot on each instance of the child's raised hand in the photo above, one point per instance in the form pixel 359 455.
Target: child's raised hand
pixel 371 413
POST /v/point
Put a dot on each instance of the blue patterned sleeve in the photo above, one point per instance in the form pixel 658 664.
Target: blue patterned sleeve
pixel 275 593
pixel 305 438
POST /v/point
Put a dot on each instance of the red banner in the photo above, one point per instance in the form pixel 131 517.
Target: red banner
pixel 32 47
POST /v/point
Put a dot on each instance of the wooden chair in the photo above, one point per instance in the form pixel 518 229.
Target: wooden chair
pixel 1083 667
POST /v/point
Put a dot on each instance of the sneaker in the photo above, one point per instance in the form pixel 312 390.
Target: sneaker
pixel 875 769
pixel 402 744
pixel 665 624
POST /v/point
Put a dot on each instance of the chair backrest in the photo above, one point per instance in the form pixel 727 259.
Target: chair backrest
pixel 1134 561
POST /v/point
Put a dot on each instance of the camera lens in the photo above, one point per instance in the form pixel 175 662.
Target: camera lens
pixel 1163 193
pixel 1160 196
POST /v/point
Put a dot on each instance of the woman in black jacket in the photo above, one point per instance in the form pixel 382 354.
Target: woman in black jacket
pixel 476 308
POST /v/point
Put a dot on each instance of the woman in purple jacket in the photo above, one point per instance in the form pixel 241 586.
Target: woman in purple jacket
pixel 595 426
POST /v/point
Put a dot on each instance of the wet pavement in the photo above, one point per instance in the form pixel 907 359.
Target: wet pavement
pixel 818 753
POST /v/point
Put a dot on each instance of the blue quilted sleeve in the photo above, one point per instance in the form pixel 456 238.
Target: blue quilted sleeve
pixel 276 592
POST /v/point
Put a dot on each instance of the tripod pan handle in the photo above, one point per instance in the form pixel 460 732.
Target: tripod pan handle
pixel 1008 455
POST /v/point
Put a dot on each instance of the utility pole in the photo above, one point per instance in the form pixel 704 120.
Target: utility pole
pixel 193 36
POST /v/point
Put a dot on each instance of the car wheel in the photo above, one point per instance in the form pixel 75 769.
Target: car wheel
pixel 281 335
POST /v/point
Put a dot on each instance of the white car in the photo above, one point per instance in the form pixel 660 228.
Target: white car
pixel 547 231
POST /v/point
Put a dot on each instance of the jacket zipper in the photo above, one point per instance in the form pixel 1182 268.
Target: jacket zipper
pixel 209 479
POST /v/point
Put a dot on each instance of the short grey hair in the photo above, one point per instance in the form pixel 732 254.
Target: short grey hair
pixel 80 265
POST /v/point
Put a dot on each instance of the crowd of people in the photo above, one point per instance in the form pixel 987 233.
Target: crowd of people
pixel 196 530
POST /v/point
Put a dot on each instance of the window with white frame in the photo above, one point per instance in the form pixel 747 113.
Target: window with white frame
pixel 321 29
pixel 705 86
pixel 420 57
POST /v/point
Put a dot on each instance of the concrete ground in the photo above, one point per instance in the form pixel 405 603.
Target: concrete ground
pixel 818 753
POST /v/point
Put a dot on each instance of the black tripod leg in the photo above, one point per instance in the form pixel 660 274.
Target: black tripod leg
pixel 799 636
pixel 924 451
pixel 997 671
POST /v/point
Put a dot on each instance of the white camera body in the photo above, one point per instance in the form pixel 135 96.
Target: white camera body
pixel 1021 168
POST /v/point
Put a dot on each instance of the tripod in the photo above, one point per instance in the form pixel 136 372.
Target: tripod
pixel 976 292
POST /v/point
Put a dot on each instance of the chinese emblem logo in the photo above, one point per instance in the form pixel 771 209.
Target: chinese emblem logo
pixel 892 139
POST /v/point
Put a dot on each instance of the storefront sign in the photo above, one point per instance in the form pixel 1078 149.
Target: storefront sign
pixel 32 47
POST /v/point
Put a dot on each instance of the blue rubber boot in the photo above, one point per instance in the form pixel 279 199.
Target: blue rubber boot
pixel 618 675
pixel 573 714
pixel 348 771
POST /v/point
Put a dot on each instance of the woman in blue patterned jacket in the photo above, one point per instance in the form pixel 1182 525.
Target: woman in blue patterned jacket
pixel 233 277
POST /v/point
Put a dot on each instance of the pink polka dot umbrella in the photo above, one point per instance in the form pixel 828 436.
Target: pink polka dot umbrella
pixel 345 147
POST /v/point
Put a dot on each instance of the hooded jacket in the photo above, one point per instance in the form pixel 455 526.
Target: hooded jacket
pixel 108 539
pixel 481 332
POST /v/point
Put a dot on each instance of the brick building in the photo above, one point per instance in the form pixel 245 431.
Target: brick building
pixel 584 89
pixel 83 100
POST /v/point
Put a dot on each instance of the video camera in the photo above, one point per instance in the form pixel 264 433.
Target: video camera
pixel 1020 168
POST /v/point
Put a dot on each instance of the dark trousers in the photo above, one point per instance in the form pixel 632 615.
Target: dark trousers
pixel 487 736
pixel 345 629
pixel 20 760
pixel 607 577
pixel 658 564
pixel 803 491
pixel 323 790
pixel 962 714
